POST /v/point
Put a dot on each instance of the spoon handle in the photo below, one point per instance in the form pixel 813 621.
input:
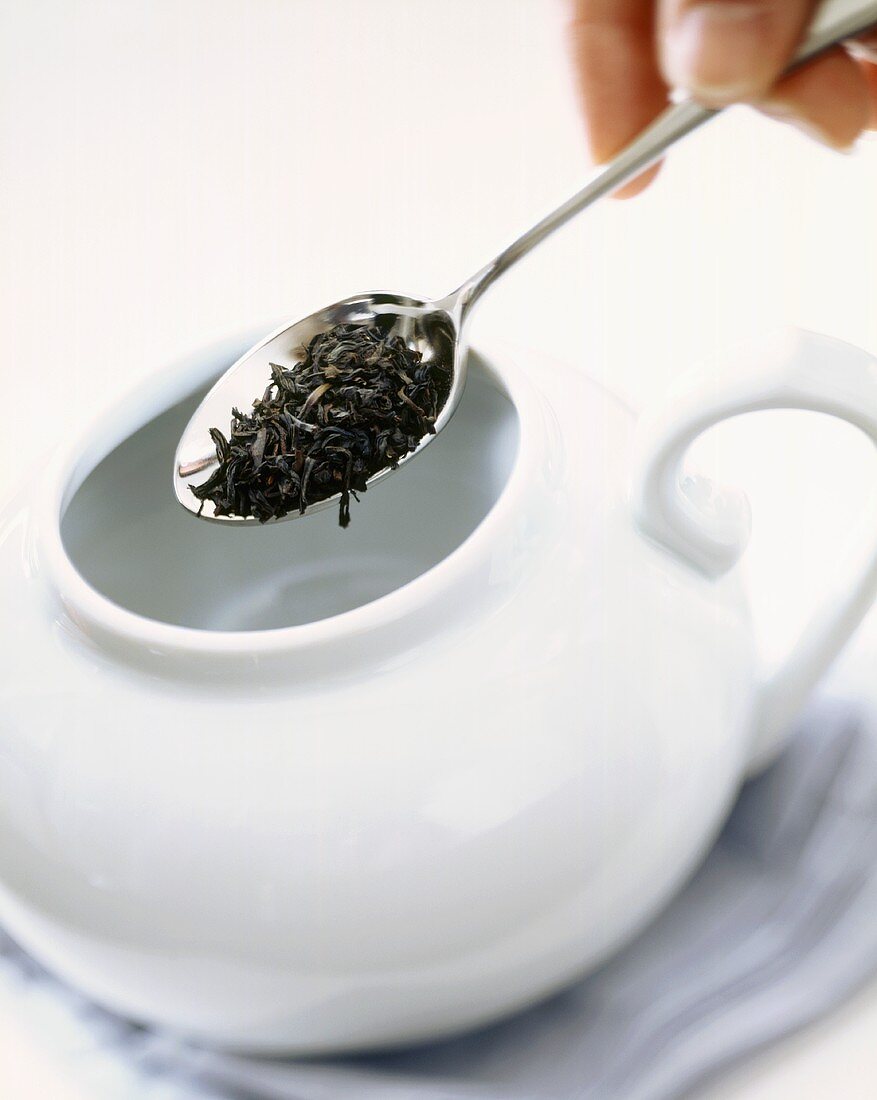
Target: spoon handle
pixel 835 21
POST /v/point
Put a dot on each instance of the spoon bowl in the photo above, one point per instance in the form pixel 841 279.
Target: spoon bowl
pixel 431 328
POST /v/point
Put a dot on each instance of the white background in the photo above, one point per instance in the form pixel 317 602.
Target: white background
pixel 178 170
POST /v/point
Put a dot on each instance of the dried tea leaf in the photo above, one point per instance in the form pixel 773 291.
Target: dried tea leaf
pixel 359 401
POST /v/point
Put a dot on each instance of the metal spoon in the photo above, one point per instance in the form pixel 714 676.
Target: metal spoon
pixel 437 328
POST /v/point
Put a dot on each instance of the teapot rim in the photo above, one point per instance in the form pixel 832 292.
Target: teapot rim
pixel 112 625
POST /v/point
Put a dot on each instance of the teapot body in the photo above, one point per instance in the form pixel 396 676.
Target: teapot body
pixel 392 823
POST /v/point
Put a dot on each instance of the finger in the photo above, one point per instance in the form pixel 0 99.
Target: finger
pixel 728 50
pixel 869 72
pixel 620 88
pixel 864 50
pixel 828 99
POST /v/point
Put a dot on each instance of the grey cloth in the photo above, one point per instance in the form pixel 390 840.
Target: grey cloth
pixel 778 926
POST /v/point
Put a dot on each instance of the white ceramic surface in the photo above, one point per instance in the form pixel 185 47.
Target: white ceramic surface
pixel 491 729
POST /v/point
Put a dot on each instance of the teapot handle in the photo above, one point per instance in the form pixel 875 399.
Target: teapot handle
pixel 708 526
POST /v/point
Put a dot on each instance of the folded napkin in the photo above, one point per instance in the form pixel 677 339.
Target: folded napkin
pixel 775 929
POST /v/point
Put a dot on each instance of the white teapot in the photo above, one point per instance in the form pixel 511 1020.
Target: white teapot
pixel 316 790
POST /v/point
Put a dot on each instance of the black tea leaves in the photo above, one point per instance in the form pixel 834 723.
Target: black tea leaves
pixel 359 401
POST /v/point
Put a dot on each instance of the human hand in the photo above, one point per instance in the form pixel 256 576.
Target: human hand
pixel 629 54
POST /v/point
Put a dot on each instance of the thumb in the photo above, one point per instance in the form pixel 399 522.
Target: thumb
pixel 727 50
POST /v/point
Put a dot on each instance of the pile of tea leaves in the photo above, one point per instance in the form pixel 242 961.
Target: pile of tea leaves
pixel 358 402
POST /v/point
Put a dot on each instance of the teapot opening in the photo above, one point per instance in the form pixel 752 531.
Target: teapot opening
pixel 131 541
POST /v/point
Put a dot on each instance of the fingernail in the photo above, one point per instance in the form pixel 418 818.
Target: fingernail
pixel 716 50
pixel 864 51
